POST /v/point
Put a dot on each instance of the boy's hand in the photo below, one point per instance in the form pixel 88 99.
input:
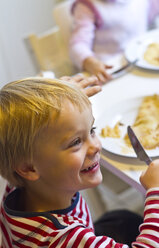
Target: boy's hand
pixel 90 85
pixel 150 177
pixel 96 67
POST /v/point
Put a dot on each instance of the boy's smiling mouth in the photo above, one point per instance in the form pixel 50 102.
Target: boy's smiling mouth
pixel 91 168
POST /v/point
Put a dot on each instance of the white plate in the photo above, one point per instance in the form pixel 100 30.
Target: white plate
pixel 125 112
pixel 137 47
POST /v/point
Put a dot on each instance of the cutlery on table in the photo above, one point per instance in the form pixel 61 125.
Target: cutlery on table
pixel 138 148
pixel 124 69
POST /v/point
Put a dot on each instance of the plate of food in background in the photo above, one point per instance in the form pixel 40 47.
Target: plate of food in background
pixel 142 114
pixel 144 49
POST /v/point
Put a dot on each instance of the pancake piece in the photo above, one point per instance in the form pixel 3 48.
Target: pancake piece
pixel 146 125
pixel 151 54
pixel 111 132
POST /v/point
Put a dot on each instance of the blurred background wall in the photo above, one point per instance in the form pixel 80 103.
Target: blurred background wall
pixel 18 18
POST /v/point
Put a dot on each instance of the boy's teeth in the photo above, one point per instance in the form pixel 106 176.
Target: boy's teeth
pixel 89 168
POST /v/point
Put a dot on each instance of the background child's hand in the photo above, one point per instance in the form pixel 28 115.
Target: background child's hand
pixel 90 85
pixel 97 68
pixel 150 177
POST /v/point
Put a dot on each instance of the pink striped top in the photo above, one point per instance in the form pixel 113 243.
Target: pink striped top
pixel 103 28
pixel 71 227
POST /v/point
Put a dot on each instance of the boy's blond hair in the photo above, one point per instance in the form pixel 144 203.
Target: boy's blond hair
pixel 25 108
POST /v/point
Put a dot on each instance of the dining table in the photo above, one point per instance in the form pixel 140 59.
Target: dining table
pixel 135 83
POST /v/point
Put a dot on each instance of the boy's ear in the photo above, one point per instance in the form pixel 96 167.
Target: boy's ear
pixel 27 171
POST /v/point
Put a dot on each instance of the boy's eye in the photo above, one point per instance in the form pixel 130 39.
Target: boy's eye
pixel 93 130
pixel 76 142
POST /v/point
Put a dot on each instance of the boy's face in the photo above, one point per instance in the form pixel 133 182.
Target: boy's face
pixel 67 152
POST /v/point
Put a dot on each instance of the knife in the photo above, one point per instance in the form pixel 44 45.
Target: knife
pixel 138 148
pixel 123 69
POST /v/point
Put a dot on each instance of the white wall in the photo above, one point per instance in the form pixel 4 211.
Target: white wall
pixel 18 18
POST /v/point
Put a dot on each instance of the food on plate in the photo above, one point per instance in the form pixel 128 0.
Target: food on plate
pixel 146 125
pixel 111 132
pixel 151 54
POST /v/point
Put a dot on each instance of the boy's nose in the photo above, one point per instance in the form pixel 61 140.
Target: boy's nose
pixel 94 147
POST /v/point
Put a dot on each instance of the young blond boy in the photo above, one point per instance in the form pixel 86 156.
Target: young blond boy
pixel 48 152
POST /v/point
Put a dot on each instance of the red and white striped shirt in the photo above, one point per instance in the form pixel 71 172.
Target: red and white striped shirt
pixel 70 227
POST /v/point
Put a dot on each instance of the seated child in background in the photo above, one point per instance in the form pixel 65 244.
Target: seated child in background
pixel 48 152
pixel 103 28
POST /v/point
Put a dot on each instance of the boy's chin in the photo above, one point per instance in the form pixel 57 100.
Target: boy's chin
pixel 99 179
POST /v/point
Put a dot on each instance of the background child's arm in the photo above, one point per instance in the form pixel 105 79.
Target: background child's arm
pixel 82 36
pixel 81 44
pixel 97 68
